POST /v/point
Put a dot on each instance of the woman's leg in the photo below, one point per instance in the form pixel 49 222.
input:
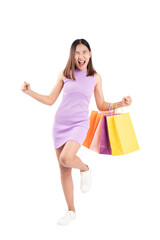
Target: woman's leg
pixel 68 156
pixel 67 160
pixel 67 182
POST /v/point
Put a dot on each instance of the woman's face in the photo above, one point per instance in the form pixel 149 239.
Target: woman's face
pixel 82 56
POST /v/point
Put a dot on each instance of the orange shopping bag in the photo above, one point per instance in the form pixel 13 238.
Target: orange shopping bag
pixel 95 117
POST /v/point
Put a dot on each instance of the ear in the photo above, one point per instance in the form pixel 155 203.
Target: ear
pixel 90 53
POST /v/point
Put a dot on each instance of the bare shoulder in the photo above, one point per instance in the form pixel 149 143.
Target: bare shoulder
pixel 98 78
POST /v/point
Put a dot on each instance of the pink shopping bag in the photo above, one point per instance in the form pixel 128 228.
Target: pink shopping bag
pixel 95 144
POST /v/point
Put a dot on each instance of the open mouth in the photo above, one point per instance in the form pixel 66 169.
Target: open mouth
pixel 81 63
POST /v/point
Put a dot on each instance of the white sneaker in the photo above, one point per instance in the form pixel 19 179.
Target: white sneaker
pixel 85 180
pixel 69 216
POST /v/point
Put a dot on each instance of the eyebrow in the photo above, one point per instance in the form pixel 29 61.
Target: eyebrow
pixel 83 51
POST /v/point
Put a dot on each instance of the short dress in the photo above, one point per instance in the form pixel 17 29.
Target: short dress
pixel 71 120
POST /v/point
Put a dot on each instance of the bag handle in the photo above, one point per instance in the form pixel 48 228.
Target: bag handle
pixel 116 109
pixel 107 112
pixel 110 110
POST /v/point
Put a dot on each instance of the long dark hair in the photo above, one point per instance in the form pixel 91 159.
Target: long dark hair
pixel 68 72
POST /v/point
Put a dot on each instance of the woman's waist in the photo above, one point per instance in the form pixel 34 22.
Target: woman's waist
pixel 72 120
pixel 75 115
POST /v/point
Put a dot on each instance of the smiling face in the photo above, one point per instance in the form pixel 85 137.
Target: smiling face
pixel 82 56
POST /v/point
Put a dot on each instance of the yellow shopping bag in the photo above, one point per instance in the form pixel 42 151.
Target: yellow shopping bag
pixel 121 134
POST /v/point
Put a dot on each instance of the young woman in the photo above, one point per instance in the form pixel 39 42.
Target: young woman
pixel 78 80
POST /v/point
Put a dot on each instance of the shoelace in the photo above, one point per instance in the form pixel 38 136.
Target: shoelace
pixel 84 178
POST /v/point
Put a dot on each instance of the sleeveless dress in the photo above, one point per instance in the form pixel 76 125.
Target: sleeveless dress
pixel 71 121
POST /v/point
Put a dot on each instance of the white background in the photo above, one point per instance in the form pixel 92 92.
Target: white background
pixel 35 40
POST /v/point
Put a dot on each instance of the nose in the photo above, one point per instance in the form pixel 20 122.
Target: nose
pixel 81 56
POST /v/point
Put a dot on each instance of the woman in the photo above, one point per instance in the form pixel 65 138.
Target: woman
pixel 78 80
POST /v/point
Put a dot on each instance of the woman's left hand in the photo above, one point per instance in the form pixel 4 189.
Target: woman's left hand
pixel 126 101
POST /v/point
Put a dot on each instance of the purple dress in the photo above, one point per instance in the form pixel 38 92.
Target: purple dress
pixel 71 121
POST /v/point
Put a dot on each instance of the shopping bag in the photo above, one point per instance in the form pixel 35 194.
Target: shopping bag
pixel 121 134
pixel 95 143
pixel 95 117
pixel 105 147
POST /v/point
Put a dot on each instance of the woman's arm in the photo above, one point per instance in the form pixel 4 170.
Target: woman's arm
pixel 39 97
pixel 99 97
pixel 57 88
pixel 46 99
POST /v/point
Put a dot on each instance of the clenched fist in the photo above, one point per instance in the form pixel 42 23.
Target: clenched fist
pixel 126 101
pixel 25 87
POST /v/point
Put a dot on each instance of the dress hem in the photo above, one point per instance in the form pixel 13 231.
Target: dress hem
pixel 66 142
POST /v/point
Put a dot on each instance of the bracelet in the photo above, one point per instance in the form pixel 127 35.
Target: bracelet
pixel 110 106
pixel 104 106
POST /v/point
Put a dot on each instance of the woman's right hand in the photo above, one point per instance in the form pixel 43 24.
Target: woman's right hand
pixel 25 88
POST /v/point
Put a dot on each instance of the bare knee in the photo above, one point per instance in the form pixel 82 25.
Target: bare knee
pixel 65 160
